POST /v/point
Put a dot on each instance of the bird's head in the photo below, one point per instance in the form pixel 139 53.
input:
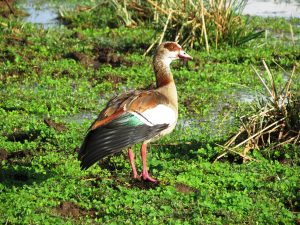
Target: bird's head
pixel 169 51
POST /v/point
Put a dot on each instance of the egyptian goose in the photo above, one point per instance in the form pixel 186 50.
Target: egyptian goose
pixel 136 116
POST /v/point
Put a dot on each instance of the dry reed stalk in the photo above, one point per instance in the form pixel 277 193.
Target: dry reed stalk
pixel 191 22
pixel 245 157
pixel 161 36
pixel 193 4
pixel 151 46
pixel 165 27
pixel 274 92
pixel 204 27
pixel 292 34
pixel 262 80
pixel 10 8
pixel 287 87
pixel 157 7
pixel 271 124
pixel 255 134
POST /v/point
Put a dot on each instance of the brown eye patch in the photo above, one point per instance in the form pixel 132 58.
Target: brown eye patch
pixel 171 46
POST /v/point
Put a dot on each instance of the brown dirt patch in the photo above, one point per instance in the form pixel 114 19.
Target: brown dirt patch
pixel 100 56
pixel 115 80
pixel 78 35
pixel 21 136
pixel 84 59
pixel 109 56
pixel 23 157
pixel 16 40
pixel 127 182
pixel 70 209
pixel 141 184
pixel 19 154
pixel 3 155
pixel 56 126
pixel 183 188
pixel 187 103
pixel 18 157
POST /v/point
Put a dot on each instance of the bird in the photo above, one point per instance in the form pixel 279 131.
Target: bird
pixel 136 116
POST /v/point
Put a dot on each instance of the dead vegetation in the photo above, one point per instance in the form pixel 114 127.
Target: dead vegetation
pixel 72 210
pixel 276 121
pixel 190 22
pixel 7 9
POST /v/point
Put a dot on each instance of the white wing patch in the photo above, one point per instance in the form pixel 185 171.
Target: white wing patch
pixel 161 114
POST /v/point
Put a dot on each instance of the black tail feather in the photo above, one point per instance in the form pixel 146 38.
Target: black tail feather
pixel 107 140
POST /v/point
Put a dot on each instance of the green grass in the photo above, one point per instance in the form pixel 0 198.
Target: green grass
pixel 42 76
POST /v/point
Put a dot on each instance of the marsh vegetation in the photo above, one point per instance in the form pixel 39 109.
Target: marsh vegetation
pixel 234 156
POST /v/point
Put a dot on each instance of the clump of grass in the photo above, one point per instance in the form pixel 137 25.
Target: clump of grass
pixel 276 121
pixel 192 23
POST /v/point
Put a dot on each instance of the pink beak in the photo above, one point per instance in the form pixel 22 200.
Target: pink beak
pixel 183 55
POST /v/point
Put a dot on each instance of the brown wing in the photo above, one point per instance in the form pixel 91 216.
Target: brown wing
pixel 117 127
pixel 134 101
pixel 113 108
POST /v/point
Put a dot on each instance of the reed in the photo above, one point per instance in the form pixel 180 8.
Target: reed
pixel 275 122
pixel 190 22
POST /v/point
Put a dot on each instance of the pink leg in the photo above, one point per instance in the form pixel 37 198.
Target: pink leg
pixel 132 163
pixel 145 174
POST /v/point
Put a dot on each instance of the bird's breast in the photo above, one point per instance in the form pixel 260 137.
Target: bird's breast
pixel 160 114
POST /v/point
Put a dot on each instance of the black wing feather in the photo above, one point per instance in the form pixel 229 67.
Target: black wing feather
pixel 112 138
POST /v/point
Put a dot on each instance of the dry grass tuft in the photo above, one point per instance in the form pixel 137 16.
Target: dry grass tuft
pixel 275 123
pixel 190 22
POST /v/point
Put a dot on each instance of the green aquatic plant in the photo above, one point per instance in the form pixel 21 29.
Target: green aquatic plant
pixel 274 122
pixel 49 96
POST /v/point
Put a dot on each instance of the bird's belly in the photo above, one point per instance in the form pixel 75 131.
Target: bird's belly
pixel 168 130
pixel 162 133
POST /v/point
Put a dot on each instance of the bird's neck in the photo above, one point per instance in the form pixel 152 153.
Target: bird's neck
pixel 162 71
pixel 164 80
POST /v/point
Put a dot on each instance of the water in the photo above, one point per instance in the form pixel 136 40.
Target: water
pixel 81 117
pixel 273 8
pixel 44 15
